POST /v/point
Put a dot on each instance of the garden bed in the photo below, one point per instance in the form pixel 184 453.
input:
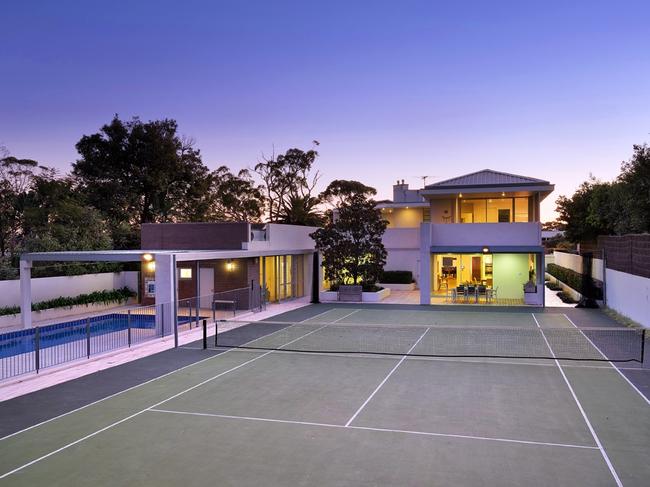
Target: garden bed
pixel 366 297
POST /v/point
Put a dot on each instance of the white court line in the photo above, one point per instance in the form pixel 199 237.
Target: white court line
pixel 139 385
pixel 368 428
pixel 152 406
pixel 582 411
pixel 610 363
pixel 349 314
pixel 43 457
pixel 385 379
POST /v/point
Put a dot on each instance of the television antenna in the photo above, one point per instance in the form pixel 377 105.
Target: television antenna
pixel 424 179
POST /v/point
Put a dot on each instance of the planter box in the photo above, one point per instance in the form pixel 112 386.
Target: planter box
pixel 398 287
pixel 365 297
pixel 13 321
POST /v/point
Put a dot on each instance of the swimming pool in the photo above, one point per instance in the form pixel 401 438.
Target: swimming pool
pixel 87 329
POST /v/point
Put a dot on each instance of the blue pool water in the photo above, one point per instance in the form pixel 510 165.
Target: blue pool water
pixel 23 341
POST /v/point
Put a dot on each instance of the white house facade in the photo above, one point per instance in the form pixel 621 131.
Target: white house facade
pixel 470 238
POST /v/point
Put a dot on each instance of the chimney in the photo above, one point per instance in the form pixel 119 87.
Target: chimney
pixel 400 191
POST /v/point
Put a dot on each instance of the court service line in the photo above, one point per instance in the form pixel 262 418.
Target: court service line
pixel 610 363
pixel 143 383
pixel 582 411
pixel 385 379
pixel 349 314
pixel 370 428
pixel 116 423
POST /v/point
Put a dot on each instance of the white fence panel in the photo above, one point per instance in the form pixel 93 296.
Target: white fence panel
pixel 44 288
pixel 629 295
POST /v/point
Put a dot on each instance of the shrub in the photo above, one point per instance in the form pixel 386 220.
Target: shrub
pixel 104 297
pixel 566 298
pixel 553 286
pixel 366 288
pixel 396 277
pixel 574 280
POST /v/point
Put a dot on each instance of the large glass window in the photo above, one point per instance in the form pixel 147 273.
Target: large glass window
pixel 493 210
pixel 521 210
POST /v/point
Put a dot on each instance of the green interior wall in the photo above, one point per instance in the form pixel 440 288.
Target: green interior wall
pixel 510 274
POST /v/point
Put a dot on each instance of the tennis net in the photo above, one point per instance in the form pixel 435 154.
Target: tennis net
pixel 588 344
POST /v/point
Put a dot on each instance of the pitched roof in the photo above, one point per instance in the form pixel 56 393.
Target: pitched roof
pixel 487 177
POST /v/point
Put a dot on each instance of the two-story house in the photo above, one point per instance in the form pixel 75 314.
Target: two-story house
pixel 480 229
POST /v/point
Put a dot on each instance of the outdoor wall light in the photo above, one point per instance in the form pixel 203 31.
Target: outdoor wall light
pixel 486 250
pixel 151 266
pixel 503 194
pixel 460 195
pixel 230 266
pixel 147 257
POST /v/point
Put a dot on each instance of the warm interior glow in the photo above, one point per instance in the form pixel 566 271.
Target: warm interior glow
pixel 151 266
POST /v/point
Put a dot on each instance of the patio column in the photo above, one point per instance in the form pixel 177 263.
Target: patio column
pixel 425 263
pixel 25 293
pixel 165 278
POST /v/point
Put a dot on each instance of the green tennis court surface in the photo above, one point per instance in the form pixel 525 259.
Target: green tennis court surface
pixel 301 409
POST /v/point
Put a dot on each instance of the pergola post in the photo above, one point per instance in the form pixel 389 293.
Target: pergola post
pixel 26 293
pixel 165 278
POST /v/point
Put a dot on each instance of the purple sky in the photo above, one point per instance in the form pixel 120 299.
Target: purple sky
pixel 390 89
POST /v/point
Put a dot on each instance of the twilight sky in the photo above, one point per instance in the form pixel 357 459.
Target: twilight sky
pixel 400 89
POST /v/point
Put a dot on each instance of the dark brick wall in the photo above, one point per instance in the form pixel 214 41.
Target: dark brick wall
pixel 627 253
pixel 193 236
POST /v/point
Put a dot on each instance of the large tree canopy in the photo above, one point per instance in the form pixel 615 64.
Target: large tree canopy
pixel 137 172
pixel 234 197
pixel 604 208
pixel 351 244
pixel 289 184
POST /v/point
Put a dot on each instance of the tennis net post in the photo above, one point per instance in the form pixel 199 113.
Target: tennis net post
pixel 205 334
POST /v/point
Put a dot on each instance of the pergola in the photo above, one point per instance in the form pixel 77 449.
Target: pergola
pixel 164 273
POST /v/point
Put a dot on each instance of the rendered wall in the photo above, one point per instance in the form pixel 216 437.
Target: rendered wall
pixel 44 288
pixel 629 295
pixel 404 260
pixel 574 262
pixel 510 273
pixel 403 217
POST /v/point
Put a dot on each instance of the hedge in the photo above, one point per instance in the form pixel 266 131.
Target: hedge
pixel 104 297
pixel 574 280
pixel 396 277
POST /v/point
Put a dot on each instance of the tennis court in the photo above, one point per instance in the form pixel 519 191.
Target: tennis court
pixel 345 395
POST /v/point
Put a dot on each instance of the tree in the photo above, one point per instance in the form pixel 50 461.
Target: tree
pixel 301 210
pixel 16 180
pixel 604 208
pixel 137 172
pixel 340 191
pixel 631 197
pixel 351 245
pixel 289 184
pixel 234 197
pixel 585 213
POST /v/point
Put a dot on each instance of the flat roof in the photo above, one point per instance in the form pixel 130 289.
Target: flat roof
pixel 136 255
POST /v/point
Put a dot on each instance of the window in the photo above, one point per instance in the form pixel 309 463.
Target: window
pixel 521 210
pixel 493 210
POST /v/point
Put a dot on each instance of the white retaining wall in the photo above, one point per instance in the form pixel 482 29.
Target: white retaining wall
pixel 629 295
pixel 44 288
pixel 574 262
